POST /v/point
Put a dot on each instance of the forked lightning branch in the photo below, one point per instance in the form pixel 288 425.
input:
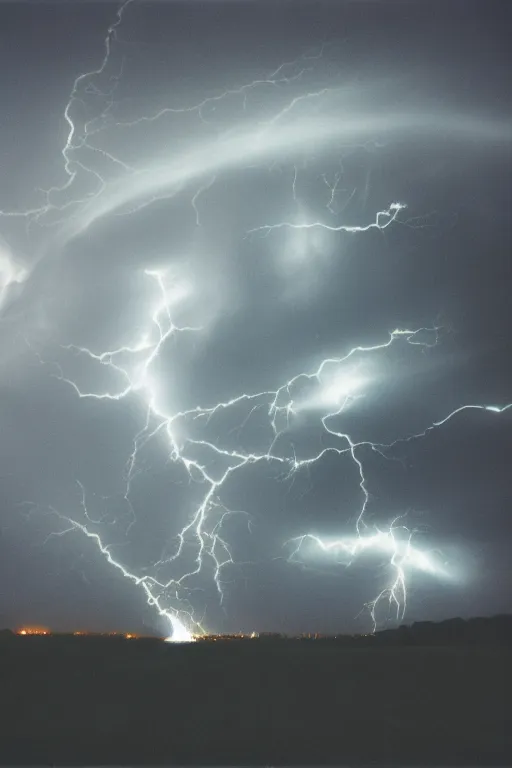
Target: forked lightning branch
pixel 324 392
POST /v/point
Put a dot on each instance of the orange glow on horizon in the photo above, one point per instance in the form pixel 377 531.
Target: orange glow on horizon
pixel 33 631
pixel 37 630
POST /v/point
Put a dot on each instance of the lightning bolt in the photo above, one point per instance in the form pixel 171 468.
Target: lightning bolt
pixel 383 219
pixel 403 555
pixel 322 394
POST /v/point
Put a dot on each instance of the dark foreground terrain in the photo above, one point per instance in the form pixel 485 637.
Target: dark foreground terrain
pixel 416 696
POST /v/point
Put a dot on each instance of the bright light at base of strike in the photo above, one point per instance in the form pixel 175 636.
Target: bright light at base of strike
pixel 183 636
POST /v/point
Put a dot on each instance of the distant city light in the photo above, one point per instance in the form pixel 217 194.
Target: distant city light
pixel 33 631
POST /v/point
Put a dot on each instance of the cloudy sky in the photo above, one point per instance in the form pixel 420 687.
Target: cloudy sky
pixel 251 256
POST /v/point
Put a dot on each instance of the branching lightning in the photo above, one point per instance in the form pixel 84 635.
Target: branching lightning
pixel 322 393
pixel 383 220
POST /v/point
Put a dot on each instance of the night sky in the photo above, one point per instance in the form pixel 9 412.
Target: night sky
pixel 210 192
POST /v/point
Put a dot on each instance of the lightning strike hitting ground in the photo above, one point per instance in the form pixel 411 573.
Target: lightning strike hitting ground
pixel 279 134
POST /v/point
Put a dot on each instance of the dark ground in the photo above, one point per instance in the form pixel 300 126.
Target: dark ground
pixel 415 697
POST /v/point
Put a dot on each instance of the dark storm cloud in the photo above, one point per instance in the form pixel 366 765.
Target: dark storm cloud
pixel 270 304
